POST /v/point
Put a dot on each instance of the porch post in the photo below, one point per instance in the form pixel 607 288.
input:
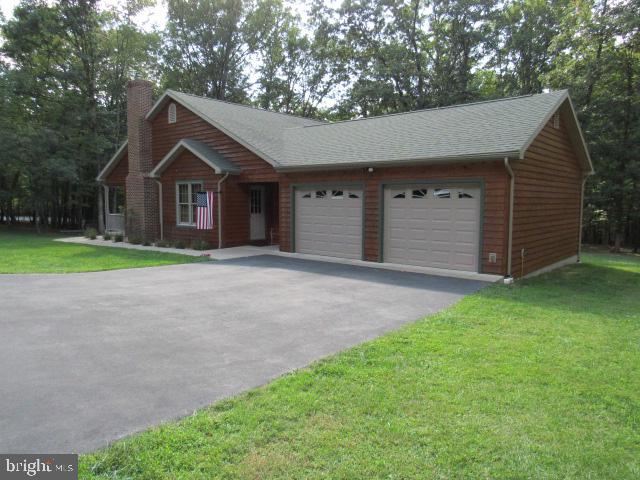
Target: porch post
pixel 106 207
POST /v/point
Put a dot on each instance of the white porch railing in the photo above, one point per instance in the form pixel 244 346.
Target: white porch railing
pixel 115 222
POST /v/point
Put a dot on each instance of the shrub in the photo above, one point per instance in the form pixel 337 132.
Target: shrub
pixel 106 236
pixel 200 245
pixel 179 244
pixel 163 243
pixel 146 243
pixel 118 237
pixel 135 240
pixel 91 233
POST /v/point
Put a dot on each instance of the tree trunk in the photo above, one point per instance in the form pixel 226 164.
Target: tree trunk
pixel 617 242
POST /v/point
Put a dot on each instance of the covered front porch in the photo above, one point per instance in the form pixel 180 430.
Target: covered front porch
pixel 114 209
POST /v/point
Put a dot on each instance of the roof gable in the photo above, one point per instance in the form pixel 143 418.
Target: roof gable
pixel 213 159
pixel 113 162
pixel 469 132
pixel 260 131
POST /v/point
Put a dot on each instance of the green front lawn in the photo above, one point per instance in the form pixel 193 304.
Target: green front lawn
pixel 26 252
pixel 537 380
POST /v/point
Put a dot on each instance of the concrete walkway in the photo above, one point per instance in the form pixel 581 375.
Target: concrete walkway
pixel 88 358
pixel 216 254
pixel 252 251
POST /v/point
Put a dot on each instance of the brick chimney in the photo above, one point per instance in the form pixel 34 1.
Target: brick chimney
pixel 141 191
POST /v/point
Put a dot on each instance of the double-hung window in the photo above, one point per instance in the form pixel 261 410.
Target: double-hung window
pixel 186 202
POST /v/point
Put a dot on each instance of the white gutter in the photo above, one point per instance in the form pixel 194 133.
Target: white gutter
pixel 160 209
pixel 220 209
pixel 508 277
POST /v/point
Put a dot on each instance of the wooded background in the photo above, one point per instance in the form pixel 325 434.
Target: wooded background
pixel 64 67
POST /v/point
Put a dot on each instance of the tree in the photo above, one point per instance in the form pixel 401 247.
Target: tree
pixel 297 72
pixel 206 47
pixel 600 64
pixel 62 68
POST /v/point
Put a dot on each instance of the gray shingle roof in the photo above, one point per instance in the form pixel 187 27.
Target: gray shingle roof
pixel 257 129
pixel 215 160
pixel 486 129
pixel 475 131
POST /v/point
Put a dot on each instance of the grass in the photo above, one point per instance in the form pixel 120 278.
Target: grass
pixel 26 252
pixel 537 380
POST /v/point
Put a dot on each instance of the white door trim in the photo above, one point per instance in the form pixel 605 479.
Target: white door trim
pixel 257 219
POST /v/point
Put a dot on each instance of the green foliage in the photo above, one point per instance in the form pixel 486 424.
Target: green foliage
pixel 63 89
pixel 118 237
pixel 26 252
pixel 164 243
pixel 206 47
pixel 200 245
pixel 134 240
pixel 91 233
pixel 179 244
pixel 106 236
pixel 536 380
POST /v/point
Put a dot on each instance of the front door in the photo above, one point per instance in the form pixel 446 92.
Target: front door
pixel 256 212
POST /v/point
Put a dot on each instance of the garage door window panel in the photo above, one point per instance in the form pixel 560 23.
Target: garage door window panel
pixel 419 193
pixel 441 193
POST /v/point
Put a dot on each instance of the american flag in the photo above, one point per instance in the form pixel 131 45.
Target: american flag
pixel 204 210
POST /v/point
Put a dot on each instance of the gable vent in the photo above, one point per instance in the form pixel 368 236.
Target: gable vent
pixel 556 120
pixel 172 113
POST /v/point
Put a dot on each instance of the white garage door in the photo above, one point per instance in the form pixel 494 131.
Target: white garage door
pixel 328 221
pixel 432 226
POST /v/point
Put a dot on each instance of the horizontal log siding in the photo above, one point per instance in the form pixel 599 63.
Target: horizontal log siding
pixel 188 125
pixel 118 176
pixel 546 215
pixel 495 202
pixel 235 213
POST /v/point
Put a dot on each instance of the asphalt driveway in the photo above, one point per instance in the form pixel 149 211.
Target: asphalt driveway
pixel 88 358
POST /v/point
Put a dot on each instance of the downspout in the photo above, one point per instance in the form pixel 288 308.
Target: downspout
pixel 160 208
pixel 220 209
pixel 512 182
pixel 584 181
